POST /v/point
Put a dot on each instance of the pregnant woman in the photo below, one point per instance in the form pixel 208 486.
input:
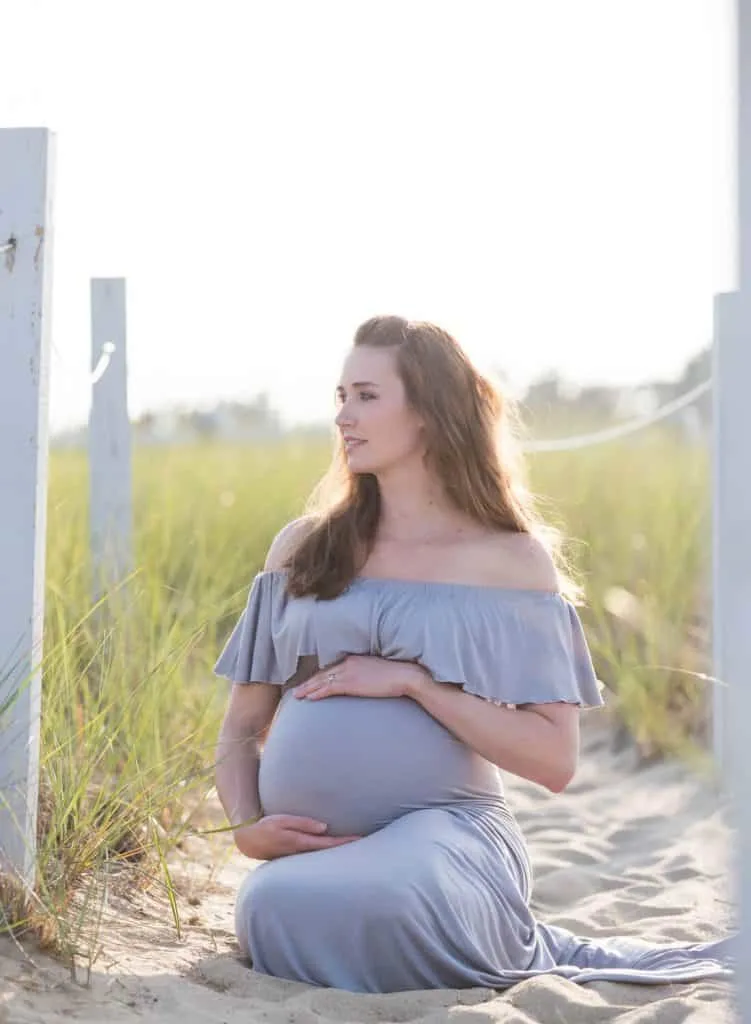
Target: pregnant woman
pixel 412 636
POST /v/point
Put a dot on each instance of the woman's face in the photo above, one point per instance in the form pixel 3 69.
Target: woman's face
pixel 378 427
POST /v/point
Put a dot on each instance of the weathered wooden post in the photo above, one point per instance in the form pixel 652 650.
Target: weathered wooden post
pixel 731 527
pixel 26 189
pixel 109 440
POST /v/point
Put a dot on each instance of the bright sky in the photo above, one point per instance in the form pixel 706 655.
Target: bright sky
pixel 547 179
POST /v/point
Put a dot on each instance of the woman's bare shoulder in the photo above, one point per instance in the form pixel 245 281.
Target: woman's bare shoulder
pixel 287 540
pixel 521 560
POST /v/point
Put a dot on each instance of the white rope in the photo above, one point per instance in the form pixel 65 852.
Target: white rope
pixel 95 375
pixel 103 362
pixel 563 444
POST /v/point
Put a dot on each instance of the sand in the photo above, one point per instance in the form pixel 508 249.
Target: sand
pixel 627 849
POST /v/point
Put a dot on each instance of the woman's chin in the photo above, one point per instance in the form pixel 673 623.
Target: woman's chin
pixel 358 464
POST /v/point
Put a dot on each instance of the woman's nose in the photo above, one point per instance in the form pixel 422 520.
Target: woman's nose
pixel 343 417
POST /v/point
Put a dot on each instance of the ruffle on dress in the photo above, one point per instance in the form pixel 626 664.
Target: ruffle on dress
pixel 508 646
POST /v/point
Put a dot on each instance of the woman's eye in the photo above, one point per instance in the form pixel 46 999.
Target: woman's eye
pixel 364 396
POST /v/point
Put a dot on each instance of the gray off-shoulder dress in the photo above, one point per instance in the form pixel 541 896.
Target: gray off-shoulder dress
pixel 436 893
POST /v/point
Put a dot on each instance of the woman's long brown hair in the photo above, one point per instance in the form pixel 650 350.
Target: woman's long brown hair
pixel 470 446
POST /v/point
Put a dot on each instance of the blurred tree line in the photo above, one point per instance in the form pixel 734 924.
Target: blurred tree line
pixel 554 406
pixel 551 406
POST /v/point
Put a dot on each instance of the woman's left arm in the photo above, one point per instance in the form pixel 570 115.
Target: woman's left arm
pixel 539 742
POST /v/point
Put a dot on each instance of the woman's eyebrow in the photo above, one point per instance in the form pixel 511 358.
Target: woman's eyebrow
pixel 359 384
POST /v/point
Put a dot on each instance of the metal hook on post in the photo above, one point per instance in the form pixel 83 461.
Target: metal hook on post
pixel 8 249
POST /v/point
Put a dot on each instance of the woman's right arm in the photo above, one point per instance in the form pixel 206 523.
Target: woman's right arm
pixel 249 714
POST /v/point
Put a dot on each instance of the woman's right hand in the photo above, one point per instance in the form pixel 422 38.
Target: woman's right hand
pixel 278 835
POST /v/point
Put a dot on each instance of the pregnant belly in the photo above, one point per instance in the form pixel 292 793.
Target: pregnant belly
pixel 358 763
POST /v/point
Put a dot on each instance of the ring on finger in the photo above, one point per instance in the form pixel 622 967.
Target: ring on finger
pixel 331 677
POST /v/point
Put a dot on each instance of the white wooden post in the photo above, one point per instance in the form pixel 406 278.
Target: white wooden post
pixel 731 536
pixel 26 187
pixel 109 440
pixel 731 526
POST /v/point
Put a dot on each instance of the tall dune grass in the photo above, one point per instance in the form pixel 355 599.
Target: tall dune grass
pixel 130 706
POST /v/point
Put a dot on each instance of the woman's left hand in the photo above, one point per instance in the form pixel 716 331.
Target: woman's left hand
pixel 363 675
